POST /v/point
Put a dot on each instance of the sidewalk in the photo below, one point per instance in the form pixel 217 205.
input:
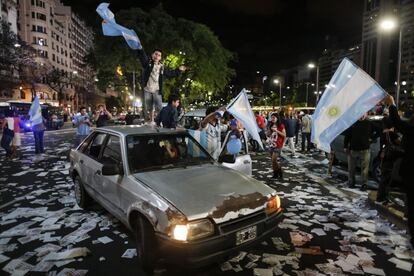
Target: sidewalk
pixel 392 211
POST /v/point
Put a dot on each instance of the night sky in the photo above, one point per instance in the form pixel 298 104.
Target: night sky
pixel 266 35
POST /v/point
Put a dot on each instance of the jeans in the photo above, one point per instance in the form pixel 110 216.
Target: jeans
pixel 79 139
pixel 5 144
pixel 152 101
pixel 291 144
pixel 386 177
pixel 38 137
pixel 306 137
pixel 364 156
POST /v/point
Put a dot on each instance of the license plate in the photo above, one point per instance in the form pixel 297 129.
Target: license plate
pixel 246 235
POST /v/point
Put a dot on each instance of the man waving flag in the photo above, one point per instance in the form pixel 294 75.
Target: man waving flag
pixel 111 28
pixel 240 108
pixel 350 93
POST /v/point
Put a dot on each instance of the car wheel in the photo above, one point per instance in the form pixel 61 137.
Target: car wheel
pixel 82 197
pixel 145 242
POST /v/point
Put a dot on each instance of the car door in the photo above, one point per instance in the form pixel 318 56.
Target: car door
pixel 92 165
pixel 242 162
pixel 111 184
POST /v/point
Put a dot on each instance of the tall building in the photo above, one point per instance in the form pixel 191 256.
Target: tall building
pixel 379 55
pixel 330 60
pixel 407 58
pixel 61 40
pixel 9 13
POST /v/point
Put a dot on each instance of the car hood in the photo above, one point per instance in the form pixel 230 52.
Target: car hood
pixel 208 191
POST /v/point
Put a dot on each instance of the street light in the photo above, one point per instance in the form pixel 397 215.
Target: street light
pixel 277 81
pixel 311 66
pixel 307 91
pixel 387 25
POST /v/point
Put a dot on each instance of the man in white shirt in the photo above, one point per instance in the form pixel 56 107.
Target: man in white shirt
pixel 211 124
pixel 306 131
pixel 152 81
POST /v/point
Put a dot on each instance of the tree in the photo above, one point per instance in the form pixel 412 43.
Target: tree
pixel 17 59
pixel 112 102
pixel 182 41
pixel 60 81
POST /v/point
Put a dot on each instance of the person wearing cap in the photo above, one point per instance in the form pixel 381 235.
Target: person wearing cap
pixel 211 124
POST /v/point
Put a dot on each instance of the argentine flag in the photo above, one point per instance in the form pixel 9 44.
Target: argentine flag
pixel 350 93
pixel 35 112
pixel 240 108
pixel 111 28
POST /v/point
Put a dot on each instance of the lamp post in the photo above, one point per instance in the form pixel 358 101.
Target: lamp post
pixel 387 25
pixel 277 81
pixel 307 91
pixel 311 66
pixel 133 90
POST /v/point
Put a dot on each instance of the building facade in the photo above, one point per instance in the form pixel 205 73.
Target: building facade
pixel 9 13
pixel 379 55
pixel 61 40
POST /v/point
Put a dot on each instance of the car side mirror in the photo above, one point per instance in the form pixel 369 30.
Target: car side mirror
pixel 110 169
pixel 228 158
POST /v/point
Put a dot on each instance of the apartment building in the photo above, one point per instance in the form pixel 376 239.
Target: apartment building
pixel 61 40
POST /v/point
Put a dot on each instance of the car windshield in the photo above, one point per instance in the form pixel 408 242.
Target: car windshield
pixel 158 152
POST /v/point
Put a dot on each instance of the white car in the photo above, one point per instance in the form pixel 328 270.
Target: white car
pixel 180 203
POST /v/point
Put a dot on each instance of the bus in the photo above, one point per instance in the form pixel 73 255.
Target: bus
pixel 22 109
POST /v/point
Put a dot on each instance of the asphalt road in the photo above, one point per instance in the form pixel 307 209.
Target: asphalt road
pixel 37 203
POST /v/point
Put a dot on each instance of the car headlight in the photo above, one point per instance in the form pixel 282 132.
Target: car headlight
pixel 193 230
pixel 273 204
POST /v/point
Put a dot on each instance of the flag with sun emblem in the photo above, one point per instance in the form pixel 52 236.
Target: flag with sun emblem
pixel 350 93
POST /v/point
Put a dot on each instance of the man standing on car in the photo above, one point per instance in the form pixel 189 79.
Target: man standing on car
pixel 102 116
pixel 152 80
pixel 168 115
pixel 357 143
pixel 83 124
pixel 406 169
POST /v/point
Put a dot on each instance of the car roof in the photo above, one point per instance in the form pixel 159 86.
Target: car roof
pixel 196 113
pixel 125 130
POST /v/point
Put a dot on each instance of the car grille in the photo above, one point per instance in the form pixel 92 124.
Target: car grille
pixel 242 222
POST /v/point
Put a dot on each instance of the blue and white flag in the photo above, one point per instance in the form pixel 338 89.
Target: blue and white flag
pixel 240 108
pixel 350 93
pixel 201 137
pixel 111 28
pixel 35 112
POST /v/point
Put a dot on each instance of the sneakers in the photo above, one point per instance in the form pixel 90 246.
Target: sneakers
pixel 381 202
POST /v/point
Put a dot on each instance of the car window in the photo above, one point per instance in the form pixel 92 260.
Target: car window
pixel 95 145
pixel 85 145
pixel 112 151
pixel 164 151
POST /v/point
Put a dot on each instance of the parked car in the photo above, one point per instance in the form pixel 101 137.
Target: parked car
pixel 192 119
pixel 180 203
pixel 337 145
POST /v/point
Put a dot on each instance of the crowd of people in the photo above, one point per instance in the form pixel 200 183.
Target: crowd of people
pixel 278 130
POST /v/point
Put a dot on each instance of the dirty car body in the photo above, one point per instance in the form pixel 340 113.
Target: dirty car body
pixel 197 209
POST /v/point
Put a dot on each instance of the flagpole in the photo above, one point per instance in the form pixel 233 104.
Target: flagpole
pixel 133 90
